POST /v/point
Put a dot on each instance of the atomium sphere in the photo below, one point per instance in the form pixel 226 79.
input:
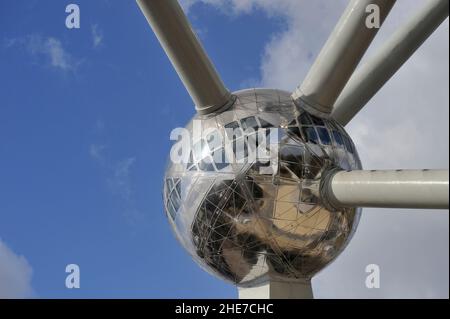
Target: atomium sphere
pixel 247 220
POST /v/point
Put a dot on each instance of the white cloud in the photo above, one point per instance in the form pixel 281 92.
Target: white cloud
pixel 120 182
pixel 49 48
pixel 289 54
pixel 97 36
pixel 96 152
pixel 118 179
pixel 404 126
pixel 15 274
pixel 119 172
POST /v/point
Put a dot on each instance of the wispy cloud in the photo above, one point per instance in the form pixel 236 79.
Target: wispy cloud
pixel 96 151
pixel 49 49
pixel 15 274
pixel 118 179
pixel 97 36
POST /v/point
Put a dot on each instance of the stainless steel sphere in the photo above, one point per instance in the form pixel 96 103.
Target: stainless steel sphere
pixel 246 226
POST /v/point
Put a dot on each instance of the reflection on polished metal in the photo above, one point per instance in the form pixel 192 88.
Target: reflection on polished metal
pixel 270 230
pixel 247 227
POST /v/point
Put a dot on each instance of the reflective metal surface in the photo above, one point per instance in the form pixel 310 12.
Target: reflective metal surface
pixel 246 226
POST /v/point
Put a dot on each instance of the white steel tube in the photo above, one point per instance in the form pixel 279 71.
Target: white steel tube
pixel 174 32
pixel 340 56
pixel 389 189
pixel 371 77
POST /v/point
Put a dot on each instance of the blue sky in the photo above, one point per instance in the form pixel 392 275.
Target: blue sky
pixel 85 117
pixel 84 140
